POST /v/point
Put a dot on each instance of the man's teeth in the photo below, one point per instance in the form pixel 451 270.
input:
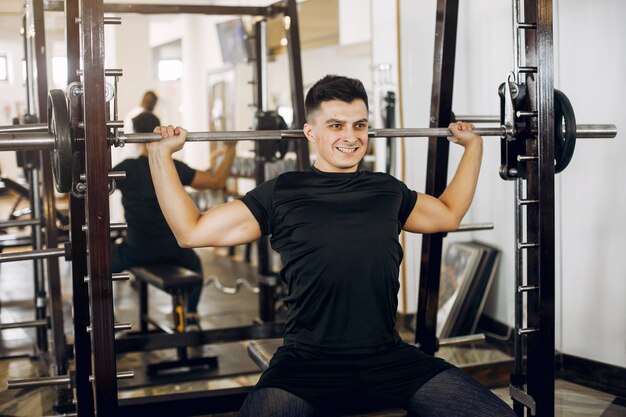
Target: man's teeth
pixel 346 150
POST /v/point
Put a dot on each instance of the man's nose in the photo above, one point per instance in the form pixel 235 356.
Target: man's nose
pixel 349 135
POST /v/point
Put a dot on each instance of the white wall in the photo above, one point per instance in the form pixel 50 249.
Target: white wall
pixel 13 91
pixel 590 202
pixel 593 200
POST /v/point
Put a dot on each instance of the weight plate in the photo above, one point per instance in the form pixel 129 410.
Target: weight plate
pixel 59 127
pixel 564 142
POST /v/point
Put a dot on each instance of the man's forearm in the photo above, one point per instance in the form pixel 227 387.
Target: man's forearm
pixel 223 170
pixel 460 191
pixel 178 208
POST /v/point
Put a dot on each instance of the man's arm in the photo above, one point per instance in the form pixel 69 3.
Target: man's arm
pixel 215 180
pixel 444 214
pixel 228 224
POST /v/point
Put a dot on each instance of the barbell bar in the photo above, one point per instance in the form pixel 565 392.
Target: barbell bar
pixel 60 138
pixel 586 131
pixel 36 141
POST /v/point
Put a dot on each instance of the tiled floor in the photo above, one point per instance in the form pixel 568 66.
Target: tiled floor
pixel 217 310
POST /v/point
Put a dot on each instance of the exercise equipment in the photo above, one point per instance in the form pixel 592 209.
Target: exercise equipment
pixel 62 138
pixel 178 282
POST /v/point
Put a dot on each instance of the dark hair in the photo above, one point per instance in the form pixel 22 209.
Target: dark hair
pixel 145 122
pixel 334 87
pixel 149 100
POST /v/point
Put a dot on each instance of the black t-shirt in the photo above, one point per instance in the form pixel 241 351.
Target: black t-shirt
pixel 337 234
pixel 146 224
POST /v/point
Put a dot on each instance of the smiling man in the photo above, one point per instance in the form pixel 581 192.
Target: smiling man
pixel 336 229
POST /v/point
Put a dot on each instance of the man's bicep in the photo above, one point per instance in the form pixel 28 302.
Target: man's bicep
pixel 429 215
pixel 229 224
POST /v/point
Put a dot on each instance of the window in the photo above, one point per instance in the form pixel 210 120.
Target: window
pixel 59 70
pixel 168 62
pixel 170 69
pixel 4 68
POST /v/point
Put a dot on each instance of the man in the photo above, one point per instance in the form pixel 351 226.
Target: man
pixel 148 103
pixel 337 232
pixel 149 240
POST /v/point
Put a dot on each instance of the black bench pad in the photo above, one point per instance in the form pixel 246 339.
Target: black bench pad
pixel 167 276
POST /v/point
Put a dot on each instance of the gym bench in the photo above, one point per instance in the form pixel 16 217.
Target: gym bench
pixel 178 282
pixel 261 351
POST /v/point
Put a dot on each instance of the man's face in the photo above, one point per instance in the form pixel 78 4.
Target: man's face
pixel 339 130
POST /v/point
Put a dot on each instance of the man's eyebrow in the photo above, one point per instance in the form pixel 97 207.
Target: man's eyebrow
pixel 339 121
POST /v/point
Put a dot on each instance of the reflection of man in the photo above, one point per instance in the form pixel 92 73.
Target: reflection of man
pixel 148 103
pixel 149 239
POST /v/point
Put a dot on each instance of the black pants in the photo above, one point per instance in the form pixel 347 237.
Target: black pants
pixel 328 379
pixel 451 393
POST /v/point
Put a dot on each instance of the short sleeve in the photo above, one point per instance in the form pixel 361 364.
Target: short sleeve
pixel 185 172
pixel 409 198
pixel 260 203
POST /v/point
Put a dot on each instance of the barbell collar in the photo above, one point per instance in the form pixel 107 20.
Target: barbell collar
pixel 32 255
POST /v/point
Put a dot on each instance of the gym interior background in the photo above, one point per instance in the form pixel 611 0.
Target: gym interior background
pixel 389 46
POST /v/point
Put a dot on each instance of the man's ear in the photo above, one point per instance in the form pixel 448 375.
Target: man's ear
pixel 308 132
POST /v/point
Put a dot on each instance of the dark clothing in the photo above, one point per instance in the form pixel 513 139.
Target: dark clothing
pixel 149 239
pixel 326 380
pixel 146 224
pixel 337 234
pixel 145 122
pixel 451 393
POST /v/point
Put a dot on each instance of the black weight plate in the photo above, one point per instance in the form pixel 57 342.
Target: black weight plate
pixel 564 143
pixel 59 127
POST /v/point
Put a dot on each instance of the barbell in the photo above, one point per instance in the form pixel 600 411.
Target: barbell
pixel 60 138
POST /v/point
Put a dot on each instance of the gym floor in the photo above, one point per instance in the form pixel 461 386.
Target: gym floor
pixel 217 310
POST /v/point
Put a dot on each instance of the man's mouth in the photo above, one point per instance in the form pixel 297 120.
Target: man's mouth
pixel 346 150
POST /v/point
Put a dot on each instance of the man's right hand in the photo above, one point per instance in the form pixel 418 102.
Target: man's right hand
pixel 173 139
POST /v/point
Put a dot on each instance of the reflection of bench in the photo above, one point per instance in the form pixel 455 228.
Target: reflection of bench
pixel 261 351
pixel 178 282
pixel 12 240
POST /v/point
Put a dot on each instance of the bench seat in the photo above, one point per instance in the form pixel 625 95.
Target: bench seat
pixel 178 282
